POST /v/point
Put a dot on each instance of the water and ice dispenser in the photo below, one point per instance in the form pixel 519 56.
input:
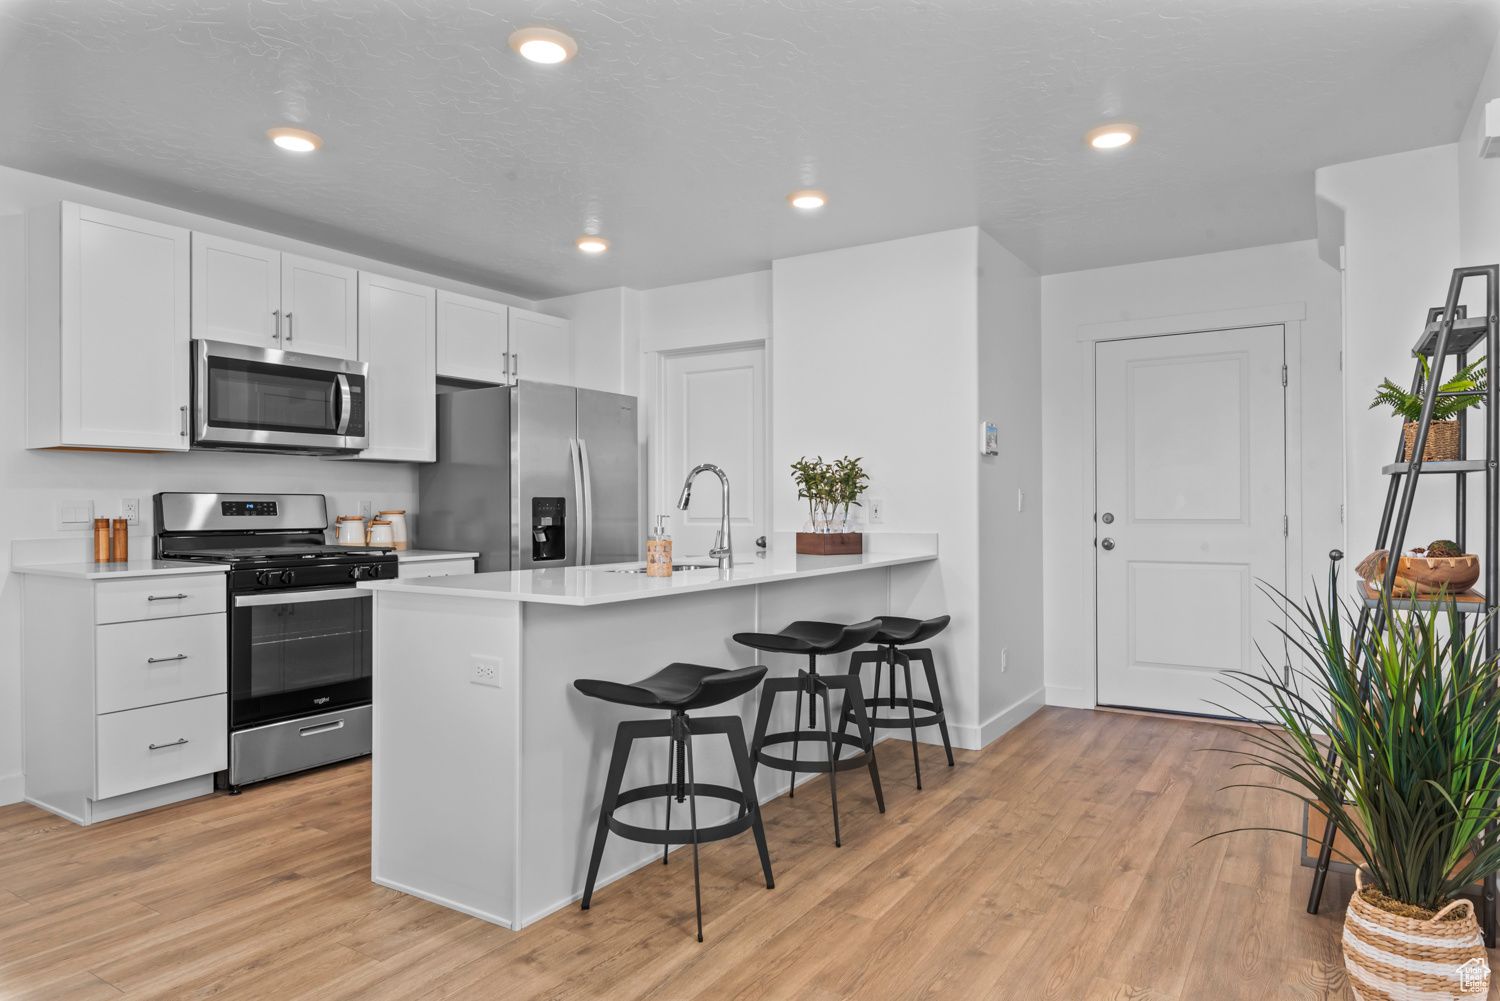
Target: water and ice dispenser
pixel 549 529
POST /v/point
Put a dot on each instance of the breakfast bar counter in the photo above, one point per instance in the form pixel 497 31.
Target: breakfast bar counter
pixel 489 765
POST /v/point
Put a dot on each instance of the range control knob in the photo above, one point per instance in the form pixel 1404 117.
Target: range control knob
pixel 263 579
pixel 289 577
pixel 354 572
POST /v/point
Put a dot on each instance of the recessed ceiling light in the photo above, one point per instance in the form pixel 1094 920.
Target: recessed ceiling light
pixel 811 198
pixel 544 45
pixel 296 140
pixel 1112 136
pixel 592 244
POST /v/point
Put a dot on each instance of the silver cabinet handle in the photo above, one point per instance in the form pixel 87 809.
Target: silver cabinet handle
pixel 164 597
pixel 1108 544
pixel 276 318
pixel 317 728
pixel 164 660
pixel 289 324
pixel 183 411
pixel 515 368
pixel 505 368
pixel 157 747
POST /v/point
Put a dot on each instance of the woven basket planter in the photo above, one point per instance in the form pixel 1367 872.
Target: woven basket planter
pixel 1393 958
pixel 1442 441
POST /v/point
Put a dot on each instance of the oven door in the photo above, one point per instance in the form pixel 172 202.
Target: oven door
pixel 265 400
pixel 297 652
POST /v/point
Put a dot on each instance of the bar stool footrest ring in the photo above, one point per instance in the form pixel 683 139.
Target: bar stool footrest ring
pixel 842 740
pixel 681 835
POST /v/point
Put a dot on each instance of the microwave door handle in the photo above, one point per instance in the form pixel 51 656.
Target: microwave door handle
pixel 346 403
pixel 588 504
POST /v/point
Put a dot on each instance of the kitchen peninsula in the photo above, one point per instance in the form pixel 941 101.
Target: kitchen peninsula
pixel 489 766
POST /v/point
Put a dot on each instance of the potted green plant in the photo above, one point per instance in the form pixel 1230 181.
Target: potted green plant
pixel 1442 435
pixel 1412 781
pixel 830 489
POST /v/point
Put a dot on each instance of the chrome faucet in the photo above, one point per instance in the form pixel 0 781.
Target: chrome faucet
pixel 723 549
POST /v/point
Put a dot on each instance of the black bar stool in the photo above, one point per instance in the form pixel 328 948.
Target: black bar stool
pixel 815 639
pixel 895 633
pixel 679 688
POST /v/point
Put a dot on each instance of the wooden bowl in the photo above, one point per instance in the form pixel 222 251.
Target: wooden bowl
pixel 1427 575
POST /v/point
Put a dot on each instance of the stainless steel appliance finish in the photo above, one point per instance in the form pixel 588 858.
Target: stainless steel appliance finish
pixel 533 476
pixel 264 400
pixel 264 752
pixel 185 512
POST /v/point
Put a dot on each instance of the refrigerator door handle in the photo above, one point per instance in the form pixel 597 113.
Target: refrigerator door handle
pixel 580 508
pixel 588 504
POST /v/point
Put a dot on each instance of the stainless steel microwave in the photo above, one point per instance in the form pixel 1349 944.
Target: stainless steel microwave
pixel 263 400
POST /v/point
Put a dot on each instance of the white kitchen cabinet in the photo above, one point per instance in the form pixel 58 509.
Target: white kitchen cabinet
pixel 473 339
pixel 320 304
pixel 251 295
pixel 124 709
pixel 107 349
pixel 396 323
pixel 540 350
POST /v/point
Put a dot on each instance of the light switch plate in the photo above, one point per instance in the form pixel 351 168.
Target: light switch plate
pixel 877 511
pixel 75 515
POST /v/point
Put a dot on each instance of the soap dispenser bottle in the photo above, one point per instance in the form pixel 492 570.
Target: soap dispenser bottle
pixel 659 550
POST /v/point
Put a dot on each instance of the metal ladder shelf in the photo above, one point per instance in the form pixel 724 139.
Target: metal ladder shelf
pixel 1448 332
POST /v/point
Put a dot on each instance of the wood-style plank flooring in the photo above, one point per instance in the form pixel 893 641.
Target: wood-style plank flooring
pixel 1060 862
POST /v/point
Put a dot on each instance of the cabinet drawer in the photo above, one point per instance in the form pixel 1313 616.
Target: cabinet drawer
pixel 436 568
pixel 158 597
pixel 149 662
pixel 191 738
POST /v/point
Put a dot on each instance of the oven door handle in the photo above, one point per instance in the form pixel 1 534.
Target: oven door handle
pixel 298 597
pixel 346 402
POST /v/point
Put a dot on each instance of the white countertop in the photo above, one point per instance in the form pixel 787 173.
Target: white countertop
pixel 597 585
pixel 120 571
pixel 431 555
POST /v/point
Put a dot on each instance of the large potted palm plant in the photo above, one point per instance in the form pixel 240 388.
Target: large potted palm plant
pixel 1412 721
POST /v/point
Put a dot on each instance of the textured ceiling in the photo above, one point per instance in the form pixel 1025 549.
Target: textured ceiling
pixel 681 126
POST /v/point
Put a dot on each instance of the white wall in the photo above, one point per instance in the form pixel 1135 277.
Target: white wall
pixel 1010 394
pixel 1234 280
pixel 1478 179
pixel 1401 243
pixel 875 354
pixel 33 483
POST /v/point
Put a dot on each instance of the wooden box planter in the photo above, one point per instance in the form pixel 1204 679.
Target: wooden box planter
pixel 830 543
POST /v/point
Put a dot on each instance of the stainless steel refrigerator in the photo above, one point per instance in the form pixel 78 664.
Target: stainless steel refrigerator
pixel 532 476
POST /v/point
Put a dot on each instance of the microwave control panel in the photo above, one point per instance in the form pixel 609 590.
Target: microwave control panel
pixel 356 427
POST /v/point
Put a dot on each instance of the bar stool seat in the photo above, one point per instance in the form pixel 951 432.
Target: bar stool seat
pixel 895 639
pixel 815 639
pixel 678 688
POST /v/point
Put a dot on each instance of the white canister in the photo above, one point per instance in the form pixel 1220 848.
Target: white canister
pixel 381 534
pixel 398 527
pixel 350 530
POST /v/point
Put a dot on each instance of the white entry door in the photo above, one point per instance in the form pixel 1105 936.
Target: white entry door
pixel 714 409
pixel 1190 509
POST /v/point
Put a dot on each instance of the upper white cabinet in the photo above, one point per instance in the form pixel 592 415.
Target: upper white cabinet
pixel 396 322
pixel 540 350
pixel 251 295
pixel 320 304
pixel 107 351
pixel 473 339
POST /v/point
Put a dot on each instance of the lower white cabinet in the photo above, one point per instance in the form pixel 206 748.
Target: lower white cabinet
pixel 125 691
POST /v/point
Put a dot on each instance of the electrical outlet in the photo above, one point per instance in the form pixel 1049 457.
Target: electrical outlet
pixel 1004 659
pixel 75 515
pixel 877 511
pixel 130 510
pixel 484 670
pixel 366 508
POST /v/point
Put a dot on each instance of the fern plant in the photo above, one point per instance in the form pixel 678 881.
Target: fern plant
pixel 1408 406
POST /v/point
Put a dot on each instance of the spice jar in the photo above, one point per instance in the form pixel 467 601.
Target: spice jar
pixel 120 551
pixel 101 540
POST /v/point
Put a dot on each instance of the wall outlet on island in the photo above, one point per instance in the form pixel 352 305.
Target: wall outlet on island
pixel 877 511
pixel 366 508
pixel 484 670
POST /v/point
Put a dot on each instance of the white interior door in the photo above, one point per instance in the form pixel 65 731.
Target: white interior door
pixel 1190 507
pixel 714 409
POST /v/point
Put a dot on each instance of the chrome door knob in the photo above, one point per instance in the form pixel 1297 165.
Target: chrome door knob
pixel 1108 544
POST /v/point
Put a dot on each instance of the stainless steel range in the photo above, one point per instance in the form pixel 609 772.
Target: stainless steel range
pixel 299 629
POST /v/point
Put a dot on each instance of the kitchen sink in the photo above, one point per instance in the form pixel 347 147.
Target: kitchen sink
pixel 675 567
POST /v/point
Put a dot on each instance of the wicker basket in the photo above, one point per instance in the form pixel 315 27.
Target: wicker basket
pixel 1442 441
pixel 1392 958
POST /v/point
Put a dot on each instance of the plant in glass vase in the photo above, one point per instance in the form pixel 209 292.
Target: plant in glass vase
pixel 830 489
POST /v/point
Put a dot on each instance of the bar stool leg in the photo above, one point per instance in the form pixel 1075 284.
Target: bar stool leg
pixel 746 769
pixel 854 695
pixel 687 740
pixel 925 656
pixel 911 712
pixel 833 781
pixel 796 729
pixel 671 753
pixel 623 739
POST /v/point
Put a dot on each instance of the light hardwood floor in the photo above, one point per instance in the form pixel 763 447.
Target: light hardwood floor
pixel 1058 863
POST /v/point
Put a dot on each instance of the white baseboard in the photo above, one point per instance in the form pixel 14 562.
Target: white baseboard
pixel 1072 698
pixel 12 789
pixel 975 738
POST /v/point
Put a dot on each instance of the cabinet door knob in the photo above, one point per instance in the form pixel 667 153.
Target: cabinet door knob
pixel 1108 543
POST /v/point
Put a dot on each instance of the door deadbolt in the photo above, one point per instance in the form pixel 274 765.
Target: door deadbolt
pixel 1108 543
pixel 1107 518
